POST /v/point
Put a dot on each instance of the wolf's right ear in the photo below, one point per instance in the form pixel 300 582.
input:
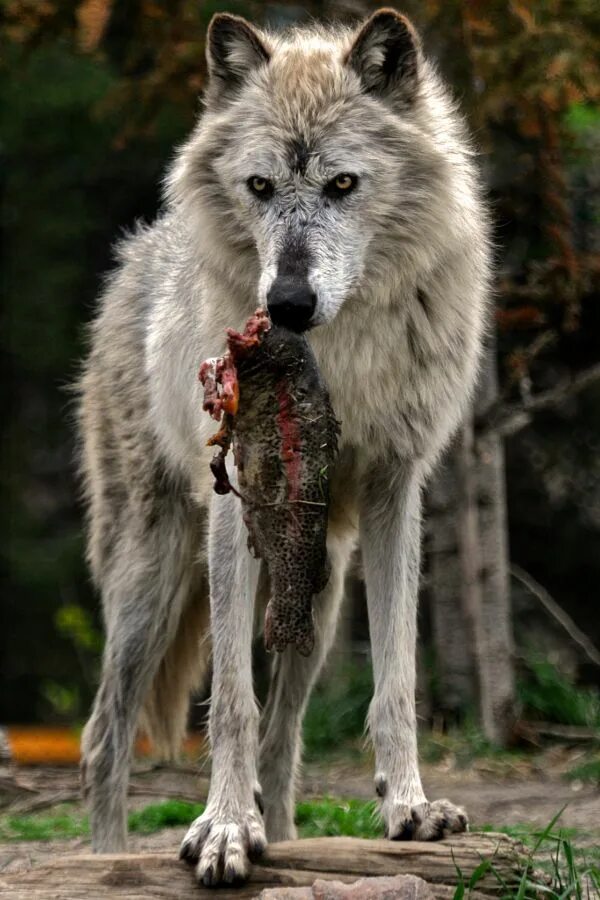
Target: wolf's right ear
pixel 385 55
pixel 233 49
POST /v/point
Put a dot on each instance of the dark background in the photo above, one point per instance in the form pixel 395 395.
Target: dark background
pixel 93 97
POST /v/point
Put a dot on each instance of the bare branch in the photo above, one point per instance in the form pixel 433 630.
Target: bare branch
pixel 564 732
pixel 506 419
pixel 557 613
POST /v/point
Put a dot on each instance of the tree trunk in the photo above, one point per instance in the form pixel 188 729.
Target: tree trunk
pixel 469 563
pixel 469 553
pixel 454 671
pixel 498 660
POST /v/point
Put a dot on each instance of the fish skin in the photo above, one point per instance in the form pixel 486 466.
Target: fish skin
pixel 284 436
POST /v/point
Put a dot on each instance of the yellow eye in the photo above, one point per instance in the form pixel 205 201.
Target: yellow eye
pixel 260 187
pixel 344 182
pixel 341 185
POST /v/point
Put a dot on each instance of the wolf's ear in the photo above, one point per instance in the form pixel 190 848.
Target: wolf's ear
pixel 385 56
pixel 233 49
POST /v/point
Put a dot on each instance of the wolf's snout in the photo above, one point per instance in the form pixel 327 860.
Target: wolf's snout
pixel 291 303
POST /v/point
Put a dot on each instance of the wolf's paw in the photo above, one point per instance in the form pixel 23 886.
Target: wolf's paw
pixel 223 845
pixel 421 821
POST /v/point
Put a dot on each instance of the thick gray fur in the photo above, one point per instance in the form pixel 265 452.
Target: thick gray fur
pixel 400 267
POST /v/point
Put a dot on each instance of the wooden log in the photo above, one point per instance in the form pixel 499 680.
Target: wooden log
pixel 287 864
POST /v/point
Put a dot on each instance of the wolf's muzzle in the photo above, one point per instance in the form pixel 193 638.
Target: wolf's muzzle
pixel 291 302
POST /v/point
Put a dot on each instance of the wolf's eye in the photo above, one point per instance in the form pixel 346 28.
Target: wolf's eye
pixel 260 187
pixel 341 185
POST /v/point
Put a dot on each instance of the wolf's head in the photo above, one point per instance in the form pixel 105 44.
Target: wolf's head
pixel 316 166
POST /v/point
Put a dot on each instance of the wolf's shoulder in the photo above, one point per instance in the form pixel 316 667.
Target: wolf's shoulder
pixel 146 244
pixel 148 259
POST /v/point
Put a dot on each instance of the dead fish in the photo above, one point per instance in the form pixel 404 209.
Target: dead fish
pixel 274 407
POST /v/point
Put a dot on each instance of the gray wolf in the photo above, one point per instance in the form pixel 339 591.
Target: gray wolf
pixel 331 179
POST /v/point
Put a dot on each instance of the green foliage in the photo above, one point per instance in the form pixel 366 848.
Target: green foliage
pixel 588 770
pixel 63 823
pixel 583 117
pixel 557 869
pixel 548 695
pixel 68 188
pixel 328 816
pixel 63 699
pixel 337 710
pixel 331 817
pixel 67 822
pixel 476 876
pixel 464 744
pixel 164 815
pixel 75 622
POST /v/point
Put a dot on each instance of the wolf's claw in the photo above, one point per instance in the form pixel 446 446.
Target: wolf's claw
pixel 425 821
pixel 222 846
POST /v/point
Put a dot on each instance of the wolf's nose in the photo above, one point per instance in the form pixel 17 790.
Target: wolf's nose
pixel 291 303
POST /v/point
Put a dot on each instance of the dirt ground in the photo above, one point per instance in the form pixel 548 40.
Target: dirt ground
pixel 492 794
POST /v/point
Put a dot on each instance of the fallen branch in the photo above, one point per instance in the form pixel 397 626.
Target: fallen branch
pixel 289 864
pixel 21 805
pixel 557 613
pixel 506 419
pixel 565 732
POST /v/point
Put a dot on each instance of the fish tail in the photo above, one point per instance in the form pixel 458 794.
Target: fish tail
pixel 305 640
pixel 278 633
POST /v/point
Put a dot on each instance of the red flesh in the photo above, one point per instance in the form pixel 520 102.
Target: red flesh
pixel 256 326
pixel 291 444
pixel 219 377
pixel 221 391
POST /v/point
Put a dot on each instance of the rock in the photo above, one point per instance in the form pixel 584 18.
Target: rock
pixel 387 887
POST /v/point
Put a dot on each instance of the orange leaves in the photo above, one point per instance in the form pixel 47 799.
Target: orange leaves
pixel 32 745
pixel 26 17
pixel 524 15
pixel 92 19
pixel 521 318
pixel 52 746
pixel 558 65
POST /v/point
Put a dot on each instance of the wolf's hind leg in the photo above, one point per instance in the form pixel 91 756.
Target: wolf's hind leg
pixel 231 830
pixel 292 680
pixel 145 588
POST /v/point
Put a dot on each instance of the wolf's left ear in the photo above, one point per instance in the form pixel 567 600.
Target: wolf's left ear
pixel 385 55
pixel 233 49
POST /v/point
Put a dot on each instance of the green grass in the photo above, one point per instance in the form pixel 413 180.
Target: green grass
pixel 588 770
pixel 335 720
pixel 66 822
pixel 529 835
pixel 164 815
pixel 547 694
pixel 568 871
pixel 558 870
pixel 464 744
pixel 315 818
pixel 331 817
pixel 337 712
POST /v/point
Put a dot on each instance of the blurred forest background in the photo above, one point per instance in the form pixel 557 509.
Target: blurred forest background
pixel 94 94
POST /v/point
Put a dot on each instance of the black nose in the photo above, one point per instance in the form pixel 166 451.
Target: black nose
pixel 291 303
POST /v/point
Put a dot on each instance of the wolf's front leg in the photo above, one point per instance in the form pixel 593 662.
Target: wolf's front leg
pixel 231 830
pixel 390 541
pixel 293 677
